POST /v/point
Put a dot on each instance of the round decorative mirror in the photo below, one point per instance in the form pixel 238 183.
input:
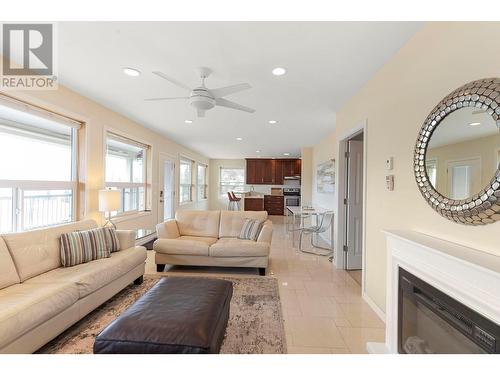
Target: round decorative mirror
pixel 457 154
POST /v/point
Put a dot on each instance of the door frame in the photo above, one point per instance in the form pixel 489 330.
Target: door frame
pixel 451 161
pixel 361 127
pixel 164 155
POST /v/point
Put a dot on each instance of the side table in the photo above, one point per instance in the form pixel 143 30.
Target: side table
pixel 145 237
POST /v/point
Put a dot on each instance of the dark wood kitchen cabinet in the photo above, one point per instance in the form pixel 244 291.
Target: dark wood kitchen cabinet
pixel 274 204
pixel 268 168
pixel 254 204
pixel 251 171
pixel 297 167
pixel 271 171
pixel 288 167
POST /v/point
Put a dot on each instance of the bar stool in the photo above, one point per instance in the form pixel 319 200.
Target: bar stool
pixel 234 202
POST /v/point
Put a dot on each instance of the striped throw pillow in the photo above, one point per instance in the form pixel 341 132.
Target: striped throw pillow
pixel 251 230
pixel 83 246
pixel 112 242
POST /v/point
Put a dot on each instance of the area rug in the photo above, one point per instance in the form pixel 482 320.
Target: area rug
pixel 255 323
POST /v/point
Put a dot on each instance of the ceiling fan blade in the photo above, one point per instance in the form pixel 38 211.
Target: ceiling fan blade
pixel 229 104
pixel 223 91
pixel 201 113
pixel 172 80
pixel 171 98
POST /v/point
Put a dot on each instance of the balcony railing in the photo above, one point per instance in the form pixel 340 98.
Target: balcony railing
pixel 5 214
pixel 37 211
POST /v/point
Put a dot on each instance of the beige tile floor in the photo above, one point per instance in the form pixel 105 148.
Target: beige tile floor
pixel 322 306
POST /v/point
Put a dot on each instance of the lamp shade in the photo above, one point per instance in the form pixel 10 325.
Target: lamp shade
pixel 109 200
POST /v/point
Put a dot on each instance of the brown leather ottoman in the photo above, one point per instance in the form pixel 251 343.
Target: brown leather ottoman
pixel 178 315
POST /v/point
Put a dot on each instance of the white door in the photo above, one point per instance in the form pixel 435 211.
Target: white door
pixel 354 207
pixel 464 178
pixel 166 206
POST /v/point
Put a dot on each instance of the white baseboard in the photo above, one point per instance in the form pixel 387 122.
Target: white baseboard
pixel 376 348
pixel 374 306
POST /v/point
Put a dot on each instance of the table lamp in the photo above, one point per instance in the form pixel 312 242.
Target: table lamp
pixel 109 201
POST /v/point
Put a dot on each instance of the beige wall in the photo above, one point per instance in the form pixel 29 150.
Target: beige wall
pixel 97 119
pixel 306 175
pixel 217 202
pixel 485 148
pixel 322 152
pixel 395 102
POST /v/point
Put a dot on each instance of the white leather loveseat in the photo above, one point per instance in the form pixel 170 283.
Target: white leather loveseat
pixel 210 238
pixel 39 299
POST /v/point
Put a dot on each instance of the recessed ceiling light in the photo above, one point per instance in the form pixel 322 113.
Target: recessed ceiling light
pixel 188 121
pixel 239 139
pixel 279 71
pixel 475 123
pixel 273 121
pixel 286 154
pixel 131 72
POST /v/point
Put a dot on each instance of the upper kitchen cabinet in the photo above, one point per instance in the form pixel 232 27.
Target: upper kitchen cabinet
pixel 297 167
pixel 271 171
pixel 288 167
pixel 251 172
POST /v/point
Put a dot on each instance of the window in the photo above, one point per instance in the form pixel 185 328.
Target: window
pixel 38 167
pixel 431 166
pixel 231 179
pixel 126 171
pixel 186 181
pixel 460 181
pixel 202 182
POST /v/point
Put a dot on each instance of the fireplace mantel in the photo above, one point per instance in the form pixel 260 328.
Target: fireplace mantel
pixel 470 276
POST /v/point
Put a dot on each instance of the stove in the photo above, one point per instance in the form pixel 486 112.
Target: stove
pixel 292 197
pixel 289 191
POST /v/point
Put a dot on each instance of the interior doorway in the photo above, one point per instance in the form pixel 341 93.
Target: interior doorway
pixel 167 188
pixel 351 203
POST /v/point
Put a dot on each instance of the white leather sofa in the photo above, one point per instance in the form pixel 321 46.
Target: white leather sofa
pixel 39 299
pixel 210 238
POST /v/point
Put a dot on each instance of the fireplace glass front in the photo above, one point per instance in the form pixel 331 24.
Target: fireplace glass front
pixel 429 321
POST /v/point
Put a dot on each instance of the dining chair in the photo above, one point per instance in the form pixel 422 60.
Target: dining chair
pixel 324 222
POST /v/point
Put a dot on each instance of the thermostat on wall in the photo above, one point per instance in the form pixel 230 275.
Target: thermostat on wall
pixel 389 182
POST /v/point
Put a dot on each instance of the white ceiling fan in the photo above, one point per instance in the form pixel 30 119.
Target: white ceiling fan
pixel 204 99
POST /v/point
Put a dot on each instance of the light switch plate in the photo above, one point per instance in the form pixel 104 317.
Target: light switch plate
pixel 389 163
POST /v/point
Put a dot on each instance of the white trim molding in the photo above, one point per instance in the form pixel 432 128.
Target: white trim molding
pixel 380 313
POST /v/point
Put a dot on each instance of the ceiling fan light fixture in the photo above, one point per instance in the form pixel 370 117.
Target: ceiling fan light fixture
pixel 203 99
pixel 131 72
pixel 279 71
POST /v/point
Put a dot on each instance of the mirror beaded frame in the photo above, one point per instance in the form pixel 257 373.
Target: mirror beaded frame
pixel 483 207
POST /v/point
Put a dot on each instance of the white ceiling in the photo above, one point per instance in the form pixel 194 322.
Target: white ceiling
pixel 455 127
pixel 327 62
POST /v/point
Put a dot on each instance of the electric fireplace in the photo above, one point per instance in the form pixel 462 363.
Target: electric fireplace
pixel 429 321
